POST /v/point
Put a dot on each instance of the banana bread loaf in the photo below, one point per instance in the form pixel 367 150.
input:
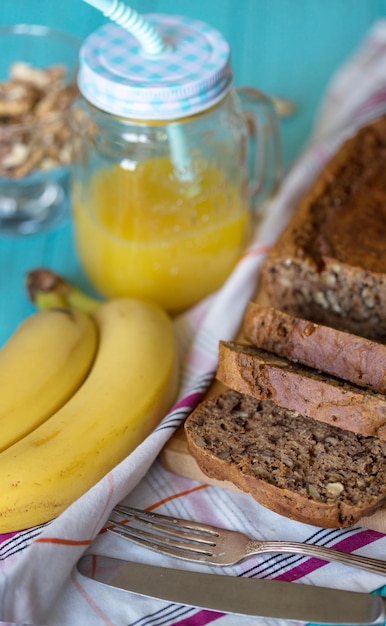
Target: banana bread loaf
pixel 329 264
pixel 265 376
pixel 351 357
pixel 298 467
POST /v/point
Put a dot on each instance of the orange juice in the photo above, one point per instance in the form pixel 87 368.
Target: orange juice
pixel 142 232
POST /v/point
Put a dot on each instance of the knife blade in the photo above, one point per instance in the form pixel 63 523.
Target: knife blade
pixel 236 595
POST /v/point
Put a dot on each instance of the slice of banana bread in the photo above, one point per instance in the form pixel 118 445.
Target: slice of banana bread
pixel 298 467
pixel 329 264
pixel 266 376
pixel 351 357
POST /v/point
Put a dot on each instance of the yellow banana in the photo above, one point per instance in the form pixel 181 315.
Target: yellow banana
pixel 41 366
pixel 131 385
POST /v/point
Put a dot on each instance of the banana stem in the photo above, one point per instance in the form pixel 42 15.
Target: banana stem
pixel 78 300
pixel 50 300
pixel 47 289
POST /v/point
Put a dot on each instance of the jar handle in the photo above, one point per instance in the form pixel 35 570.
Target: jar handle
pixel 266 168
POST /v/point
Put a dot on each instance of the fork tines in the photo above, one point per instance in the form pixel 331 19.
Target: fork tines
pixel 163 533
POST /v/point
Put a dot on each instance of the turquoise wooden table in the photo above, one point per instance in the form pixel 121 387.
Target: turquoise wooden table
pixel 287 48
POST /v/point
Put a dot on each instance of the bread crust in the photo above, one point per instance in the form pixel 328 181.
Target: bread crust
pixel 329 264
pixel 339 353
pixel 265 376
pixel 216 439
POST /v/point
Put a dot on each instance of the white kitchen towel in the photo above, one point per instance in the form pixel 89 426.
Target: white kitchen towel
pixel 39 583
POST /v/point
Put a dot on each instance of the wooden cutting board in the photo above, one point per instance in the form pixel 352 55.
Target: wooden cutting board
pixel 176 458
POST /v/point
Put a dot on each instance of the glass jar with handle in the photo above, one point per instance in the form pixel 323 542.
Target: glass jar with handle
pixel 173 162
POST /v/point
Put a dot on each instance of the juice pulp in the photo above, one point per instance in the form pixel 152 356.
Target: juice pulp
pixel 146 234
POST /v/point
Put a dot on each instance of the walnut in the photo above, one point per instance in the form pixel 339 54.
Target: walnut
pixel 313 492
pixel 31 96
pixel 334 489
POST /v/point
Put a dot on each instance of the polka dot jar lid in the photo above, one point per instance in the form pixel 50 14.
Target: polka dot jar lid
pixel 189 76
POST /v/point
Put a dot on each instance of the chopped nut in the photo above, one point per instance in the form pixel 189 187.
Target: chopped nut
pixel 28 74
pixel 65 155
pixel 56 72
pixel 48 164
pixel 321 299
pixel 285 282
pixel 332 440
pixel 25 168
pixel 313 492
pixel 306 293
pixel 264 474
pixel 17 155
pixel 368 297
pixel 243 414
pixel 15 100
pixel 284 108
pixel 334 489
pixel 34 96
pixel 199 441
pixel 331 280
pixel 332 299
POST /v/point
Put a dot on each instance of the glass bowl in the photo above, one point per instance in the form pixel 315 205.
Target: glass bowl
pixel 38 69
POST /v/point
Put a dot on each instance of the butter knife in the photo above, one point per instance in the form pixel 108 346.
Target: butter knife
pixel 235 595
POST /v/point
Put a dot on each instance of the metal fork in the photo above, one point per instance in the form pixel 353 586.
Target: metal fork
pixel 193 541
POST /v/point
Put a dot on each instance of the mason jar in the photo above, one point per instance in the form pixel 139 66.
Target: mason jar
pixel 173 163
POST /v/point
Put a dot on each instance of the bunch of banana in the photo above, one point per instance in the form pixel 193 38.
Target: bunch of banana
pixel 131 385
pixel 41 366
